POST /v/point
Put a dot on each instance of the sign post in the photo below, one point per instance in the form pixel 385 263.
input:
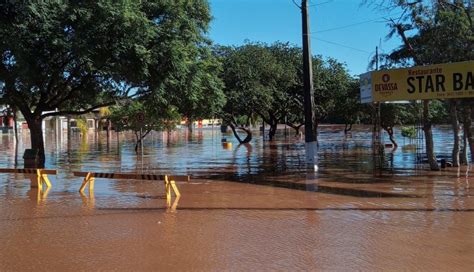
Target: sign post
pixel 366 88
pixel 141 118
pixel 439 81
pixel 430 82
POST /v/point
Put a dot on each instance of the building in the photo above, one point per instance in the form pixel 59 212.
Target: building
pixel 202 123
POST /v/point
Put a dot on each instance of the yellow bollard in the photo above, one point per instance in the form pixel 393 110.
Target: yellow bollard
pixel 88 202
pixel 38 196
pixel 168 191
pixel 174 206
pixel 87 180
pixel 44 177
pixel 175 188
pixel 43 195
pixel 38 179
pixel 91 185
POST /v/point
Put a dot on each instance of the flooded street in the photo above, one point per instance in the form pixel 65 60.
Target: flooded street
pixel 250 207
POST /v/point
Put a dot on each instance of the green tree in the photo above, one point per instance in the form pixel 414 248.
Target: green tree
pixel 199 94
pixel 127 117
pixel 249 80
pixel 333 88
pixel 331 78
pixel 348 108
pixel 393 114
pixel 431 23
pixel 267 80
pixel 286 87
pixel 72 57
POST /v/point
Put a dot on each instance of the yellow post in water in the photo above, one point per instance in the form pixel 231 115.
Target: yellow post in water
pixel 89 179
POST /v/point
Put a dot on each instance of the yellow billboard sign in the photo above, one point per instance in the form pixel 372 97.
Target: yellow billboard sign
pixel 442 81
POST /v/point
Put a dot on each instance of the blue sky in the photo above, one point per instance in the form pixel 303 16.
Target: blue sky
pixel 342 29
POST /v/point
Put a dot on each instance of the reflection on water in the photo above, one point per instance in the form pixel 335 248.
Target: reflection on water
pixel 182 152
pixel 344 217
pixel 346 162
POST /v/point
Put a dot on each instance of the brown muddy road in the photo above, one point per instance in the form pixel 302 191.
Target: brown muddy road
pixel 247 208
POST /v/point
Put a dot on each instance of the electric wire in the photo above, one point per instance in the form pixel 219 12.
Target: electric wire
pixel 294 2
pixel 319 4
pixel 341 45
pixel 355 24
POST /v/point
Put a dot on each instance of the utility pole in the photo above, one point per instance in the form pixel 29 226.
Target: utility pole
pixel 309 116
pixel 377 149
pixel 377 58
pixel 379 104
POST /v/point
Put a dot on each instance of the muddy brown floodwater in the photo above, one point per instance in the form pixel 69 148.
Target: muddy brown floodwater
pixel 247 208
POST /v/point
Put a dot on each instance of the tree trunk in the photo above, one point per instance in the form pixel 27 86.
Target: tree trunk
pixel 190 126
pixel 69 133
pixel 430 154
pixel 35 124
pixel 273 128
pixel 470 135
pixel 109 125
pixel 466 123
pixel 347 128
pixel 455 127
pixel 463 157
pixel 118 140
pixel 247 139
pixel 272 132
pixel 96 127
pixel 389 131
pixel 295 127
pixel 138 138
pixel 15 131
pixel 297 130
pixel 390 136
pixel 249 135
pixel 15 127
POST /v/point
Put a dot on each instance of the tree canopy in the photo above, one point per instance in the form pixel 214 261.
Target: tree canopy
pixel 266 81
pixel 435 32
pixel 70 57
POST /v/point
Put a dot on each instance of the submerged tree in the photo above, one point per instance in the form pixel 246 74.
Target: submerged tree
pixel 71 57
pixel 432 22
pixel 287 88
pixel 249 80
pixel 143 118
pixel 266 80
pixel 199 93
pixel 347 108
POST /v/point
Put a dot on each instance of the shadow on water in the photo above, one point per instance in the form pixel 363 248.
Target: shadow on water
pixel 260 180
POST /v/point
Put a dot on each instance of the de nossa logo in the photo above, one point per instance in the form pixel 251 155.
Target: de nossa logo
pixel 386 88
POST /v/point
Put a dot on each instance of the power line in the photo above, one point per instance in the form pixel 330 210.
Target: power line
pixel 312 5
pixel 319 4
pixel 355 24
pixel 341 45
pixel 296 4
